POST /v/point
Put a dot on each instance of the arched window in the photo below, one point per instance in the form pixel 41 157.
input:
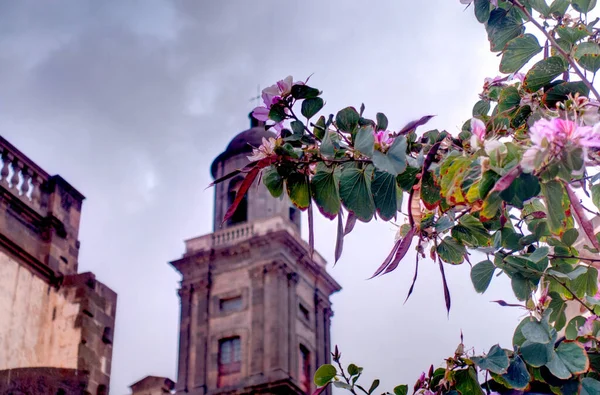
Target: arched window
pixel 304 366
pixel 241 213
pixel 230 360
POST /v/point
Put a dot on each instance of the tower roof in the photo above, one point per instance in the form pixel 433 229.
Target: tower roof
pixel 242 143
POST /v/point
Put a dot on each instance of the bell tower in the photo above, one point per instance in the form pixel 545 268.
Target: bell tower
pixel 255 310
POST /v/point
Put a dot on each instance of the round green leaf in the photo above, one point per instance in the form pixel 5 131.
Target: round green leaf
pixel 583 6
pixel 324 375
pixel 347 119
pixel 482 10
pixel 573 327
pixel 324 187
pixel 297 189
pixel 588 56
pixel 518 52
pixel 273 181
pixel 543 72
pixel 385 194
pixel 501 28
pixel 517 375
pixel 364 140
pixel 466 382
pixel 590 386
pixel 495 361
pixel 481 275
pixel 311 106
pixel 394 161
pixel 569 358
pixel 535 332
pixel 536 354
pixel 451 251
pixel 401 389
pixel 355 190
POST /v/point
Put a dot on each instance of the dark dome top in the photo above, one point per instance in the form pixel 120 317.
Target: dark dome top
pixel 242 143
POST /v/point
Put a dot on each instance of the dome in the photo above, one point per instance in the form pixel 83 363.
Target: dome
pixel 242 143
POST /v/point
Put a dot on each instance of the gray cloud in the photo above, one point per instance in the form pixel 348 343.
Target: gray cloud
pixel 131 101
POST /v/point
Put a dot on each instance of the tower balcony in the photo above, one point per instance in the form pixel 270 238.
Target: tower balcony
pixel 246 231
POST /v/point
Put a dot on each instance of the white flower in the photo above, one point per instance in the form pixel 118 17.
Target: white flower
pixel 266 149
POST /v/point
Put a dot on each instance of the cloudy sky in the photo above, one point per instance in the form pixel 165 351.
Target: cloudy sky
pixel 131 100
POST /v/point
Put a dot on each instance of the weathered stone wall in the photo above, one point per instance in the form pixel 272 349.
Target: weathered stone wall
pixel 43 381
pixel 38 325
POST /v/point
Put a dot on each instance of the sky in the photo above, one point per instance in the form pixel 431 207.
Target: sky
pixel 130 101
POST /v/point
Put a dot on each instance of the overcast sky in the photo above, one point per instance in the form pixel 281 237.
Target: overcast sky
pixel 131 100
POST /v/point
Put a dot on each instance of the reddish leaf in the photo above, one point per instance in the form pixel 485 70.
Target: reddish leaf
pixel 339 243
pixel 430 157
pixel 584 222
pixel 397 253
pixel 507 179
pixel 414 124
pixel 446 290
pixel 246 184
pixel 350 222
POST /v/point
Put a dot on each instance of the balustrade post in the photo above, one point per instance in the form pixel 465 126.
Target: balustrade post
pixel 14 180
pixel 6 160
pixel 27 173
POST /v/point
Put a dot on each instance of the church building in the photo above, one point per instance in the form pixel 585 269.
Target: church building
pixel 255 308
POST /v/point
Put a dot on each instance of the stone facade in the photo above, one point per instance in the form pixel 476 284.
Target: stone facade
pixel 56 318
pixel 253 286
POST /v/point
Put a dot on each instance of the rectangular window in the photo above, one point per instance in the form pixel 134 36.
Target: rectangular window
pixel 230 359
pixel 304 312
pixel 305 374
pixel 230 304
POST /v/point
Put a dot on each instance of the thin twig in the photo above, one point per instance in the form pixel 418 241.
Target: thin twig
pixel 573 293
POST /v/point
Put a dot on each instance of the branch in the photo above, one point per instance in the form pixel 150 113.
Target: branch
pixel 552 40
pixel 573 293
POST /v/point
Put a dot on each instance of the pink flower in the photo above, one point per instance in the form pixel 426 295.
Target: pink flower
pixel 382 139
pixel 478 132
pixel 266 149
pixel 550 137
pixel 261 113
pixel 587 328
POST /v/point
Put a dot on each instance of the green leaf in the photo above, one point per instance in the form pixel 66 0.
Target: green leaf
pixel 540 6
pixel 382 121
pixel 501 28
pixel 543 72
pixel 401 390
pixel 583 6
pixel 535 332
pixel 491 205
pixel 394 161
pixel 521 286
pixel 517 375
pixel 365 140
pixel 536 354
pixel 408 178
pixel 273 181
pixel 384 194
pixel 481 275
pixel 596 195
pixel 589 386
pixel 588 56
pixel 572 34
pixel 586 283
pixel 324 375
pixel 518 337
pixel 509 100
pixel 355 190
pixel 301 91
pixel 482 10
pixel 518 52
pixel 451 251
pixel 561 92
pixel 319 129
pixel 554 192
pixel 277 113
pixel 570 236
pixel 325 191
pixel 297 190
pixel 480 236
pixel 466 382
pixel 495 361
pixel 573 327
pixel 347 119
pixel 373 386
pixel 569 358
pixel 312 106
pixel 559 7
pixel 482 107
pixel 539 254
pixel 558 306
pixel 353 369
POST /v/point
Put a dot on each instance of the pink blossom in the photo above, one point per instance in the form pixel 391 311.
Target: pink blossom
pixel 587 328
pixel 550 137
pixel 261 113
pixel 382 139
pixel 478 132
pixel 275 92
pixel 266 149
pixel 519 77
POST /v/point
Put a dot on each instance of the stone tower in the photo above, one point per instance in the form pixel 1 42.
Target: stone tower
pixel 255 309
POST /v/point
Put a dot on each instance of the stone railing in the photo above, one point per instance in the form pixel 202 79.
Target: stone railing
pixel 235 234
pixel 21 176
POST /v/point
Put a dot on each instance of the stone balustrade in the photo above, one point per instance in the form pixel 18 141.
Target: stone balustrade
pixel 22 177
pixel 247 230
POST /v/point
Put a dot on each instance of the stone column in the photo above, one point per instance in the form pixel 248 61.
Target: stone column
pixel 292 318
pixel 200 335
pixel 257 308
pixel 185 295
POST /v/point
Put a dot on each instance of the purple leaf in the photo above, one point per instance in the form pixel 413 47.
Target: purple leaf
pixel 446 290
pixel 350 222
pixel 339 243
pixel 507 179
pixel 414 124
pixel 397 253
pixel 412 286
pixel 505 304
pixel 583 220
